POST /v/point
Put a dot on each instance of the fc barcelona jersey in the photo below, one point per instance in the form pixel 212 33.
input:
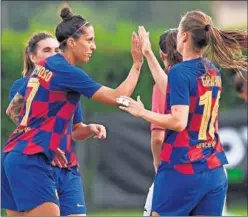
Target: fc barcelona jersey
pixel 197 147
pixel 52 93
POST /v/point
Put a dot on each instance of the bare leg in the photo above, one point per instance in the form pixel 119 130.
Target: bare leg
pixel 45 209
pixel 155 213
pixel 14 213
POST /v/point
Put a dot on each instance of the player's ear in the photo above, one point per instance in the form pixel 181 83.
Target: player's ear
pixel 162 56
pixel 71 42
pixel 32 57
pixel 185 36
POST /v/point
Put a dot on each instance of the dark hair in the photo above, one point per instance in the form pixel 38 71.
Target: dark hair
pixel 70 26
pixel 222 47
pixel 240 83
pixel 168 45
pixel 31 47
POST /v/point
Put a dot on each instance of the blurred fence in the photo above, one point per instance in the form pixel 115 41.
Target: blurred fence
pixel 117 172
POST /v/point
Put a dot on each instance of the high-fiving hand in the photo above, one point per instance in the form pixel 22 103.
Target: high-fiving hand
pixel 145 41
pixel 136 49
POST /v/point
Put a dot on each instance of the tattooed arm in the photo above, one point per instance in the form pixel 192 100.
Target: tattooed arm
pixel 14 108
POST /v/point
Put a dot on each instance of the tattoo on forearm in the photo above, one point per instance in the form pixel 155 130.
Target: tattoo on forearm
pixel 15 107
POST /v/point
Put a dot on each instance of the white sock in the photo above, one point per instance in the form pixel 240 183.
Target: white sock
pixel 148 204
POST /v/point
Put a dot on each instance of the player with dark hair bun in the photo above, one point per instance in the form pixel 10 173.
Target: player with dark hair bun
pixel 65 164
pixel 51 95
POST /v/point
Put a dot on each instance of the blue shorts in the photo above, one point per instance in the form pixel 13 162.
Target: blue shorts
pixel 177 194
pixel 70 191
pixel 27 181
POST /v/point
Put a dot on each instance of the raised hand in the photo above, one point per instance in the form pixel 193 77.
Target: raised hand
pixel 136 49
pixel 145 41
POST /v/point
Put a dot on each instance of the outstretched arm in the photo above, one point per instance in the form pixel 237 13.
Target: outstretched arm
pixel 176 121
pixel 158 74
pixel 108 95
pixel 157 132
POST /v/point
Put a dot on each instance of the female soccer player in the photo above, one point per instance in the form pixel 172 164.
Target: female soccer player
pixel 191 179
pixel 71 198
pixel 53 92
pixel 169 57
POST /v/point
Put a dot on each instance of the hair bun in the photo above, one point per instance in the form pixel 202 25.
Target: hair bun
pixel 66 13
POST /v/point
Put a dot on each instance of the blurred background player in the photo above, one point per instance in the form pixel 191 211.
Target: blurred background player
pixel 170 57
pixel 52 95
pixel 68 180
pixel 191 179
pixel 241 85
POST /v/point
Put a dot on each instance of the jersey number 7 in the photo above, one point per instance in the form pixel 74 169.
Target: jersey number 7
pixel 34 84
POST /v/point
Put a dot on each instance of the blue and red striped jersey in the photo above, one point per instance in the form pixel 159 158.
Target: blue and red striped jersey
pixel 197 147
pixel 51 95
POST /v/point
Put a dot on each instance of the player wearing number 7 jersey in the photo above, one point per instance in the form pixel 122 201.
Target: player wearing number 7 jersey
pixel 51 95
pixel 65 165
pixel 191 179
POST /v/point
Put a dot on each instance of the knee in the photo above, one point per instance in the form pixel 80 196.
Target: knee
pixel 155 213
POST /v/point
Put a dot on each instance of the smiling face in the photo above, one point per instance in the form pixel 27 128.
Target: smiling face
pixel 84 46
pixel 44 48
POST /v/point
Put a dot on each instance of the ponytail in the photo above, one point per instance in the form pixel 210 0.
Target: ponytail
pixel 220 46
pixel 225 49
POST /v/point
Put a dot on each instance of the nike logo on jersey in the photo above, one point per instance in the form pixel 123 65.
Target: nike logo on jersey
pixel 79 205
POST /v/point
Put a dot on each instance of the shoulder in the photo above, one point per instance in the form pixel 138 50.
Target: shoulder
pixel 177 71
pixel 213 69
pixel 19 82
pixel 57 63
pixel 178 68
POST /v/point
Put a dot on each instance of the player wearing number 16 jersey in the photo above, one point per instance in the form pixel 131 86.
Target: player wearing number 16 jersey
pixel 190 179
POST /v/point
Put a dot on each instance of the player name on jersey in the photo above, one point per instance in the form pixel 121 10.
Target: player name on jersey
pixel 42 73
pixel 211 81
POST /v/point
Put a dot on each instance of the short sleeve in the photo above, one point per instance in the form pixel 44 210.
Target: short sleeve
pixel 16 87
pixel 179 87
pixel 78 115
pixel 23 88
pixel 158 104
pixel 79 81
